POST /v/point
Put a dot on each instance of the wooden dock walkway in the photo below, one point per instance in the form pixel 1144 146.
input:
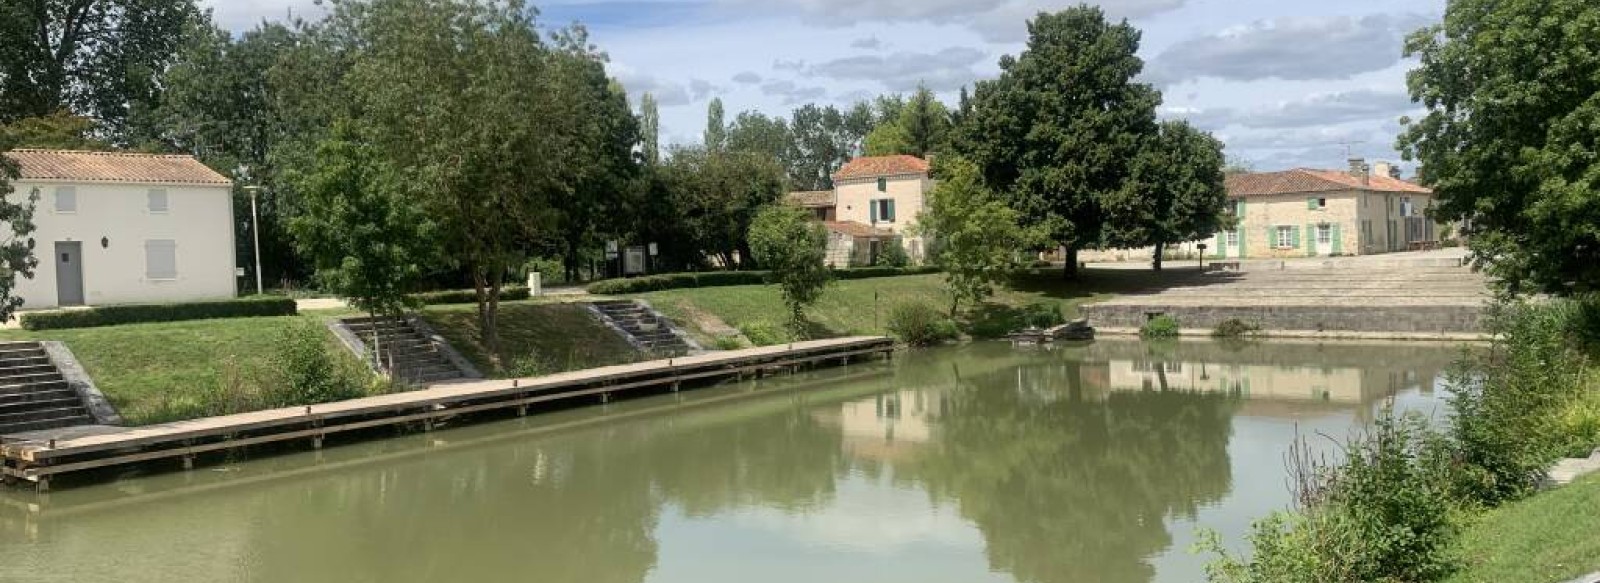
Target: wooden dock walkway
pixel 37 456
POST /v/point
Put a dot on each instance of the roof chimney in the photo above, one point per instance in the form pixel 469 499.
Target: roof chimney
pixel 1358 169
pixel 1385 169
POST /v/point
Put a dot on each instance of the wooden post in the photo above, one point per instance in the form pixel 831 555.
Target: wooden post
pixel 522 410
pixel 43 485
pixel 188 461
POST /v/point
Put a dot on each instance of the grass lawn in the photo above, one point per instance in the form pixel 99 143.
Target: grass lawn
pixel 1548 538
pixel 862 306
pixel 535 338
pixel 154 373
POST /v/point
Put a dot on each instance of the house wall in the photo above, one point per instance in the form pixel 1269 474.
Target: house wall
pixel 909 193
pixel 198 219
pixel 841 248
pixel 1383 211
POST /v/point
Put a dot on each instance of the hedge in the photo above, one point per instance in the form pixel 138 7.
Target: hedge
pixel 251 307
pixel 509 293
pixel 650 283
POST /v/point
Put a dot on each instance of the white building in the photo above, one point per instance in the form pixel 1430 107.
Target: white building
pixel 117 228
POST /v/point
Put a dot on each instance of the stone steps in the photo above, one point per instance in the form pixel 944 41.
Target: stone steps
pixel 33 393
pixel 642 327
pixel 412 356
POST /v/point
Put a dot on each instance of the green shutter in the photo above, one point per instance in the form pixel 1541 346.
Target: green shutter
pixel 1222 245
pixel 1311 204
pixel 1338 246
pixel 1272 236
pixel 1242 238
pixel 883 185
pixel 872 211
pixel 1311 240
pixel 1294 237
pixel 891 210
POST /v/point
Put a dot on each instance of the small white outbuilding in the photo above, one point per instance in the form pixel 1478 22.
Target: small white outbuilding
pixel 118 228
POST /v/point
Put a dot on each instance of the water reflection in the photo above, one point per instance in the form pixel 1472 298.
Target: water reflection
pixel 950 465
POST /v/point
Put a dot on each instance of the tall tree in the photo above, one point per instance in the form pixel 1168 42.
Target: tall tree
pixel 59 131
pixel 792 247
pixel 97 58
pixel 821 146
pixel 921 128
pixel 1175 192
pixel 1057 132
pixel 714 196
pixel 753 131
pixel 650 127
pixel 1512 89
pixel 368 240
pixel 979 236
pixel 462 95
pixel 16 254
pixel 716 136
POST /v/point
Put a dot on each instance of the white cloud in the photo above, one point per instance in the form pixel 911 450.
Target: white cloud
pixel 995 20
pixel 793 93
pixel 747 78
pixel 1318 109
pixel 1337 47
pixel 238 15
pixel 944 70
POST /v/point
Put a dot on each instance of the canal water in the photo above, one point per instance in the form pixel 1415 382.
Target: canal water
pixel 985 462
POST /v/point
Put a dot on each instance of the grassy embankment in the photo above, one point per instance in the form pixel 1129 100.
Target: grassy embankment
pixel 1551 537
pixel 155 373
pixel 862 306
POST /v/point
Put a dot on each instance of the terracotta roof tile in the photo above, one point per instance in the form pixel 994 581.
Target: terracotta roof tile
pixel 78 166
pixel 854 229
pixel 875 166
pixel 1307 180
pixel 812 198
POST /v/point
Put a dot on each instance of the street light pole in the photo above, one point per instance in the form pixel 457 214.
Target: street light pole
pixel 255 233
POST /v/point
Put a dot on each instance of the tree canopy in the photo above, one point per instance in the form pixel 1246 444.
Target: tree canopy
pixel 979 238
pixel 1508 143
pixel 1175 192
pixel 16 254
pixel 793 248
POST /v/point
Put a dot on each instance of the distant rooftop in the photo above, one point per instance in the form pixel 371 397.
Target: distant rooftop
pixel 1308 180
pixel 812 198
pixel 877 166
pixel 114 167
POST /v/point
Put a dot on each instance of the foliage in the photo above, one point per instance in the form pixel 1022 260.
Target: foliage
pixel 555 337
pixel 367 238
pixel 893 255
pixel 705 202
pixel 251 307
pixel 1549 537
pixel 728 343
pixel 650 283
pixel 650 127
pixel 1174 192
pixel 97 59
pixel 1162 326
pixel 307 370
pixel 16 253
pixel 764 333
pixel 58 131
pixel 1058 131
pixel 919 324
pixel 1234 328
pixel 793 248
pixel 1507 147
pixel 921 128
pixel 716 136
pixel 989 321
pixel 466 296
pixel 979 236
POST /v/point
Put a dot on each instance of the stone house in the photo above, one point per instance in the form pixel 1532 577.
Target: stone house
pixel 116 227
pixel 875 202
pixel 1323 213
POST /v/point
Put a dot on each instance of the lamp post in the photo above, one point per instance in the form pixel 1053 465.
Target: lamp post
pixel 255 233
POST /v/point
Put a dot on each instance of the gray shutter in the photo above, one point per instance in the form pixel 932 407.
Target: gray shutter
pixel 157 200
pixel 161 259
pixel 66 199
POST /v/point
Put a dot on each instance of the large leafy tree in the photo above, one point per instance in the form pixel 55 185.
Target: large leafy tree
pixel 792 247
pixel 16 255
pixel 59 131
pixel 1175 192
pixel 979 235
pixel 1058 131
pixel 97 58
pixel 1512 89
pixel 709 199
pixel 716 136
pixel 754 132
pixel 920 128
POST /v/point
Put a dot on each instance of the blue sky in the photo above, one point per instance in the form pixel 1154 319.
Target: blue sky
pixel 1284 83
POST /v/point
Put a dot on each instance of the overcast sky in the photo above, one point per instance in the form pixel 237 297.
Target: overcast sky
pixel 1285 83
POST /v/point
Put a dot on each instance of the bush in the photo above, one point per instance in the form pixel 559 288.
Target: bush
pixel 650 283
pixel 1234 328
pixel 256 306
pixel 510 293
pixel 1162 326
pixel 763 333
pixel 920 324
pixel 308 371
pixel 893 255
pixel 728 343
pixel 1043 315
pixel 988 321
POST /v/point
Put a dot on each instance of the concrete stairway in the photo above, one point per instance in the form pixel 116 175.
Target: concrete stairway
pixel 643 328
pixel 414 357
pixel 33 393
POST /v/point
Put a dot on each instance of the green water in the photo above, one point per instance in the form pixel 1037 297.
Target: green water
pixel 974 463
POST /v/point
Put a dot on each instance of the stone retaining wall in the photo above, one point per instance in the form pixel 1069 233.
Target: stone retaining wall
pixel 1420 319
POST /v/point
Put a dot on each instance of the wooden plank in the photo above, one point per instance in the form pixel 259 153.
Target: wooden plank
pixel 326 418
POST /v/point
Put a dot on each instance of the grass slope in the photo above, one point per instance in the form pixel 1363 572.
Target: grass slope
pixel 862 306
pixel 535 338
pixel 1548 538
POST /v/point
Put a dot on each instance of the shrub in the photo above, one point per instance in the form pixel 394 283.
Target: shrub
pixel 764 333
pixel 1043 315
pixel 919 324
pixel 308 371
pixel 510 293
pixel 528 366
pixel 1234 328
pixel 650 283
pixel 728 343
pixel 1162 326
pixel 256 306
pixel 893 255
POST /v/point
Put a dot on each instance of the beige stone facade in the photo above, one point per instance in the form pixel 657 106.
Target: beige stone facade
pixel 1326 224
pixel 891 203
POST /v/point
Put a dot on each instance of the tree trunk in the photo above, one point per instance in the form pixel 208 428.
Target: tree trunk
pixel 1160 250
pixel 1161 375
pixel 488 290
pixel 1070 270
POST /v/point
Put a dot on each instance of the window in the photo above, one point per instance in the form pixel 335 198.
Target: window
pixel 1405 206
pixel 157 200
pixel 66 199
pixel 1285 237
pixel 881 210
pixel 161 259
pixel 1233 238
pixel 883 185
pixel 1324 234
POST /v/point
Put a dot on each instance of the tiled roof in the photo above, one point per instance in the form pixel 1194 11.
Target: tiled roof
pixel 812 198
pixel 1307 180
pixel 854 229
pixel 875 166
pixel 112 167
